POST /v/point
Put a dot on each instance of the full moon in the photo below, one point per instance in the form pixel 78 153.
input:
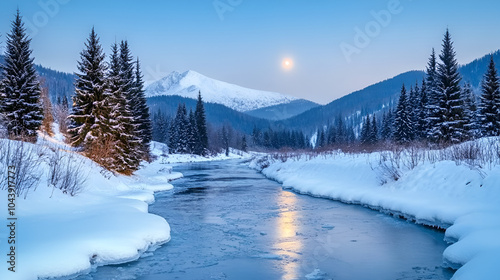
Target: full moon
pixel 287 63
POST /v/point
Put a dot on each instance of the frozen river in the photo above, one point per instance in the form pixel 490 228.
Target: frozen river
pixel 230 222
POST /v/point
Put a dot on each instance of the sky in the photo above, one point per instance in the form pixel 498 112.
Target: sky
pixel 335 46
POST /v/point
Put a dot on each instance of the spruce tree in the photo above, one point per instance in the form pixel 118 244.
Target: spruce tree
pixel 90 93
pixel 174 131
pixel 201 125
pixel 449 128
pixel 125 144
pixel 19 99
pixel 470 112
pixel 489 119
pixel 141 111
pixel 373 137
pixel 225 140
pixel 365 131
pixel 244 146
pixel 433 114
pixel 421 123
pixel 192 133
pixel 402 122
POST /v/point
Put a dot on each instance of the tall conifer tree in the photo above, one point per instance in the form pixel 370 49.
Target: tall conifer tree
pixel 402 122
pixel 449 128
pixel 201 124
pixel 19 99
pixel 90 93
pixel 489 119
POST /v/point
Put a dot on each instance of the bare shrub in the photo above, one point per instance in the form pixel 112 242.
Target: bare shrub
pixel 389 167
pixel 66 172
pixel 24 158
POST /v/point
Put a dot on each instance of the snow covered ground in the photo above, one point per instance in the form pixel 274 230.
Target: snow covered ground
pixel 463 199
pixel 107 222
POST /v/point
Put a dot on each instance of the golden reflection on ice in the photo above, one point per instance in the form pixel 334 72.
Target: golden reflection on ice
pixel 288 244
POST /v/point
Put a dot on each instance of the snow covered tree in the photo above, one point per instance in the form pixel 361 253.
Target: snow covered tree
pixel 125 153
pixel 192 133
pixel 470 112
pixel 161 126
pixel 373 135
pixel 179 131
pixel 19 99
pixel 449 126
pixel 321 138
pixel 141 112
pixel 422 114
pixel 433 98
pixel 201 126
pixel 88 113
pixel 365 131
pixel 489 110
pixel 402 121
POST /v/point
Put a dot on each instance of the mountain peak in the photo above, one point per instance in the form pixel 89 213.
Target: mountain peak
pixel 188 83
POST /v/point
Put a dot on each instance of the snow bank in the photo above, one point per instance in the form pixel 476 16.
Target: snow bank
pixel 107 223
pixel 462 199
pixel 160 150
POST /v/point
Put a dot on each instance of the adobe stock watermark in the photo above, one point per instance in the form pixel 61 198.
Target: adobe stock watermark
pixel 372 29
pixel 223 6
pixel 48 10
pixel 154 74
pixel 322 252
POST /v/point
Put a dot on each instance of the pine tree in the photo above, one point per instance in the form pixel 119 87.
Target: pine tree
pixel 489 109
pixel 433 113
pixel 201 125
pixel 90 93
pixel 244 146
pixel 341 132
pixel 141 112
pixel 402 122
pixel 415 109
pixel 19 99
pixel 373 137
pixel 449 128
pixel 192 133
pixel 178 131
pixel 421 123
pixel 225 140
pixel 161 126
pixel 470 109
pixel 125 155
pixel 321 138
pixel 365 131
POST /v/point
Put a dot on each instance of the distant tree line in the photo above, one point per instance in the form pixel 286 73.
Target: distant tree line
pixel 185 133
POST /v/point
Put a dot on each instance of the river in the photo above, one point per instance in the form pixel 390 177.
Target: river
pixel 230 222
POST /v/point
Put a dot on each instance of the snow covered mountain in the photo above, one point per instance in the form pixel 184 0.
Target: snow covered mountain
pixel 241 99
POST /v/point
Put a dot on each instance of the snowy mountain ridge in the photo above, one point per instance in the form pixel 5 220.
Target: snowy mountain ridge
pixel 188 84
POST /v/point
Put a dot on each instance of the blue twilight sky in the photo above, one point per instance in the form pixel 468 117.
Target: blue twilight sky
pixel 245 41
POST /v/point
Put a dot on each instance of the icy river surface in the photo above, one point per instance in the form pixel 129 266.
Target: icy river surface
pixel 230 222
